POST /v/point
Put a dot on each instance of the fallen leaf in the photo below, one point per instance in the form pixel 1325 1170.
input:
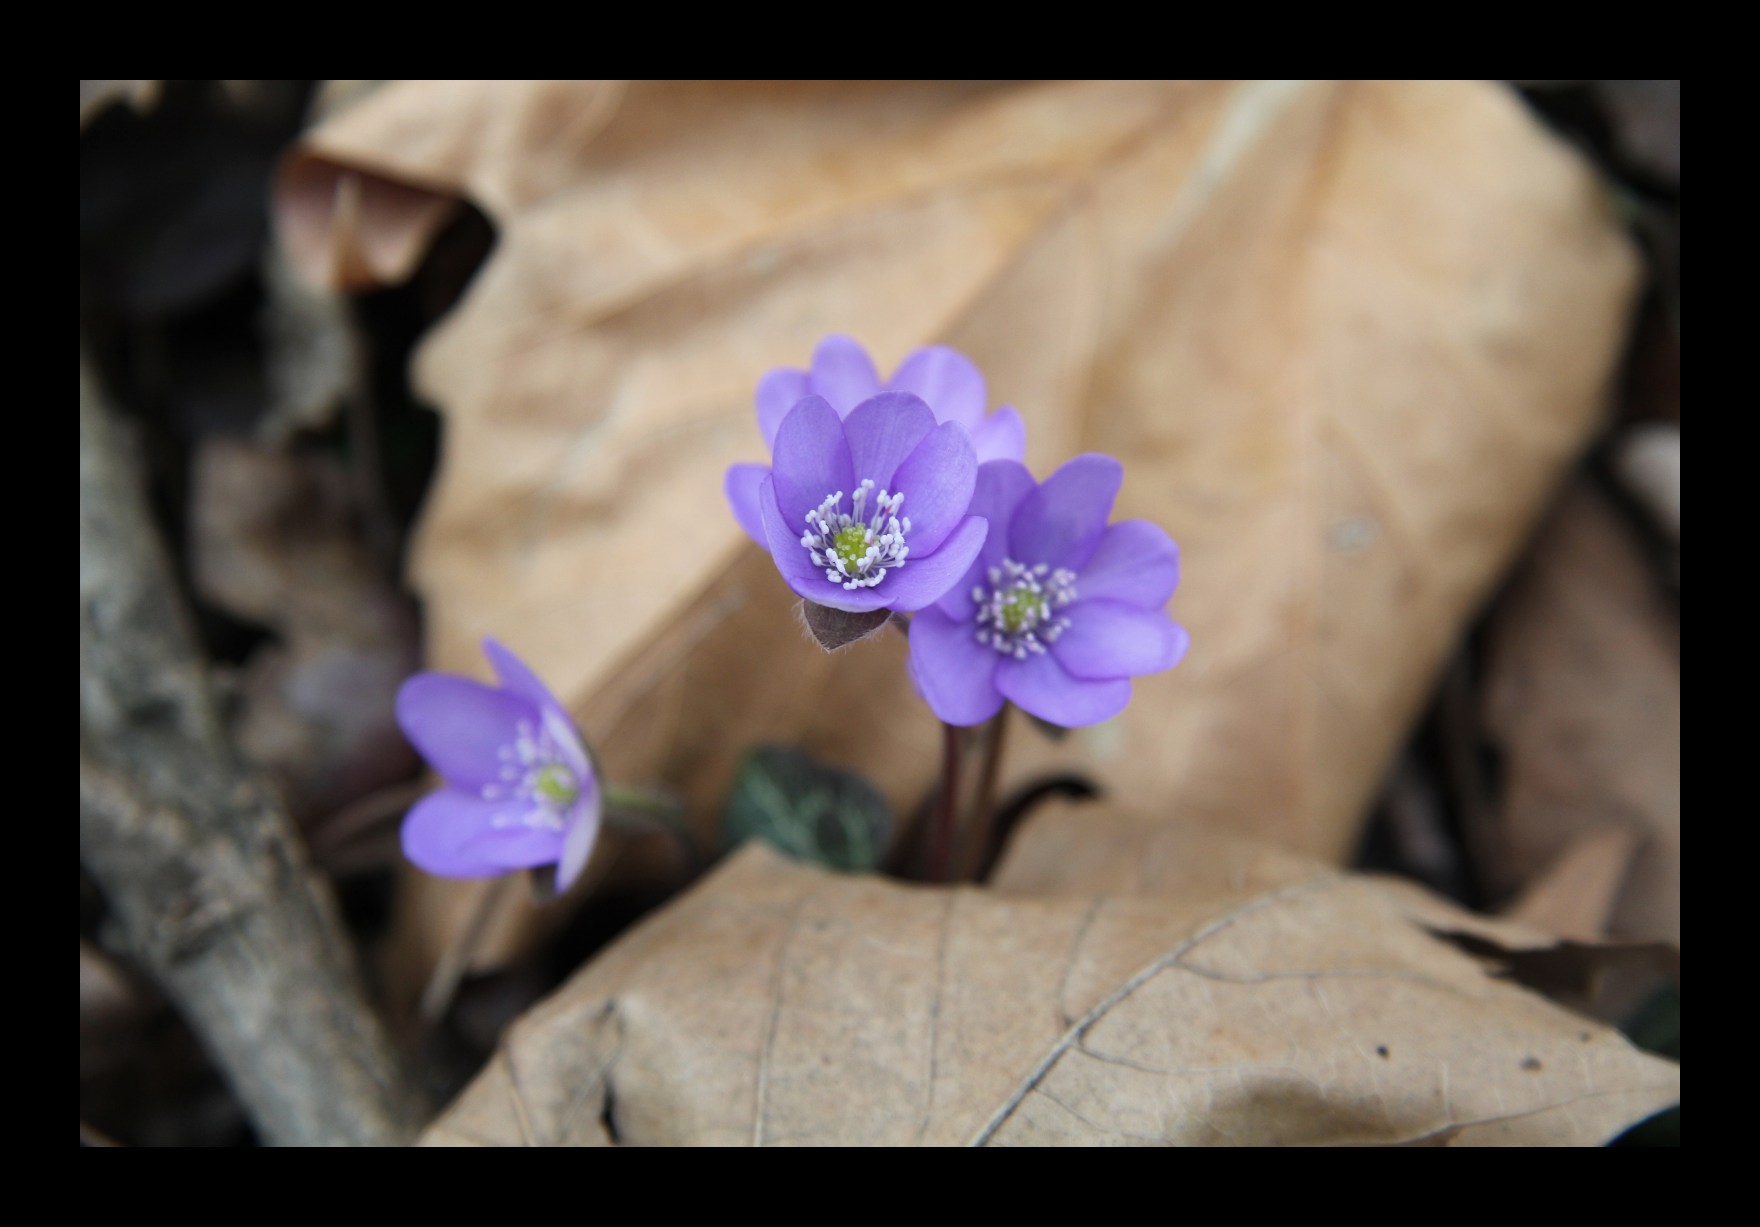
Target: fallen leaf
pixel 1346 337
pixel 353 230
pixel 1575 895
pixel 1081 849
pixel 1266 1001
pixel 1584 701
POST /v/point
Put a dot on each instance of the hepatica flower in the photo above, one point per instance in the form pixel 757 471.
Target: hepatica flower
pixel 520 790
pixel 1059 611
pixel 843 376
pixel 869 512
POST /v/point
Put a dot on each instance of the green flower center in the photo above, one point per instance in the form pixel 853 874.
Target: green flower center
pixel 1019 610
pixel 859 547
pixel 851 545
pixel 556 783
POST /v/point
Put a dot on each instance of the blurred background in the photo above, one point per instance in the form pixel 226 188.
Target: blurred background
pixel 404 364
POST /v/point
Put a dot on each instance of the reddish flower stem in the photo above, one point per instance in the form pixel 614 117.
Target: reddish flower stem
pixel 946 806
pixel 455 960
pixel 978 829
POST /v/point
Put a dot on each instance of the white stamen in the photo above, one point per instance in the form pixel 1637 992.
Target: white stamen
pixel 1036 622
pixel 542 784
pixel 883 532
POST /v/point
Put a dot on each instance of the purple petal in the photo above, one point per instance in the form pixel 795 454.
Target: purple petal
pixel 453 835
pixel 566 738
pixel 938 479
pixel 811 461
pixel 779 391
pixel 514 674
pixel 882 431
pixel 923 581
pixel 460 726
pixel 843 373
pixel 1136 562
pixel 797 567
pixel 1000 487
pixel 784 544
pixel 851 600
pixel 1040 686
pixel 519 679
pixel 948 380
pixel 952 670
pixel 1060 523
pixel 1001 436
pixel 577 844
pixel 1105 639
pixel 741 485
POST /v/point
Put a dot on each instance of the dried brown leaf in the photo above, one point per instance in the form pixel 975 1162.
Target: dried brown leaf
pixel 1575 896
pixel 1082 849
pixel 1231 994
pixel 350 229
pixel 1584 700
pixel 1345 336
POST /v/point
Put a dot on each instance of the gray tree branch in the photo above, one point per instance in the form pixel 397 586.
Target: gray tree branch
pixel 192 851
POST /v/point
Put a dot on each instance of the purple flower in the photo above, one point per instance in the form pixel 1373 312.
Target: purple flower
pixel 1059 611
pixel 844 376
pixel 520 790
pixel 869 512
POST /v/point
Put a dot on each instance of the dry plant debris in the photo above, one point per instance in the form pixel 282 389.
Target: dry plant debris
pixel 1584 699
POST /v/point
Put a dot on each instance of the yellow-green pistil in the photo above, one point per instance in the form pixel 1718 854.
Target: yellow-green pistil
pixel 1020 609
pixel 556 783
pixel 859 547
pixel 851 545
pixel 1018 612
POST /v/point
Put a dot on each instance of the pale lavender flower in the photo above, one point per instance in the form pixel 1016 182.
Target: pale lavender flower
pixel 1059 611
pixel 869 512
pixel 520 790
pixel 844 376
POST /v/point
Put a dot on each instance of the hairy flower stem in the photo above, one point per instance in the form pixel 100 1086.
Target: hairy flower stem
pixel 645 813
pixel 978 826
pixel 455 960
pixel 631 801
pixel 946 805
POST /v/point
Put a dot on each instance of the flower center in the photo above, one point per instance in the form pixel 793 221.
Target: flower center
pixel 1017 613
pixel 554 782
pixel 851 545
pixel 859 547
pixel 536 780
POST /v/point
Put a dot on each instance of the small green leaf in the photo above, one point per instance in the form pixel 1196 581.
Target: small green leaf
pixel 807 810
